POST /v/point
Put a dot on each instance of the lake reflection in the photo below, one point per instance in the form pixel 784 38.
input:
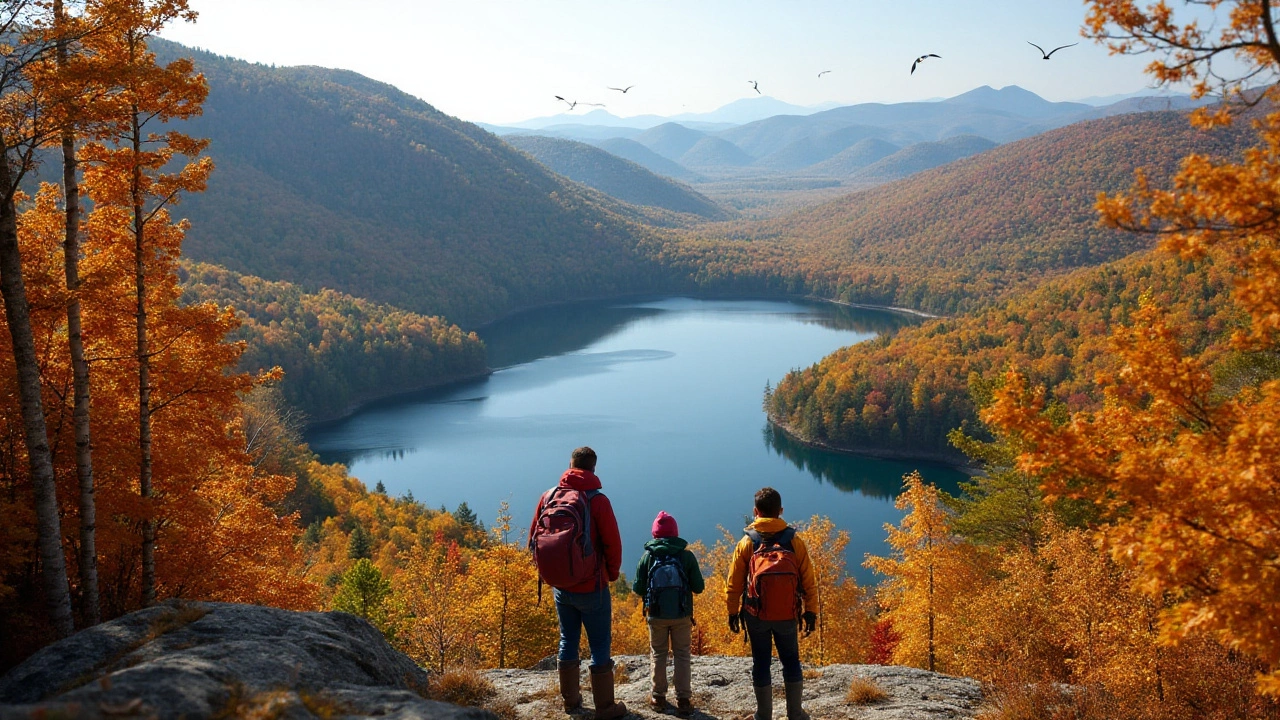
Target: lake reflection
pixel 667 392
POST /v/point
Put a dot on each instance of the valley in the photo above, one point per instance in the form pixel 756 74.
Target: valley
pixel 284 336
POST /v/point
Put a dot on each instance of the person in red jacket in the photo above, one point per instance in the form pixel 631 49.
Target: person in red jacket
pixel 589 604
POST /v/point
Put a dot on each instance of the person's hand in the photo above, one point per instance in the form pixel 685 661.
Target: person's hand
pixel 810 621
pixel 735 624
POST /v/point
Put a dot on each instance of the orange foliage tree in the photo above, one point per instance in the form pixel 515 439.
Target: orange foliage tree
pixel 515 631
pixel 928 571
pixel 1187 469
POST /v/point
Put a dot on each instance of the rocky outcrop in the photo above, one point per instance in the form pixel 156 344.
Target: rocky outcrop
pixel 722 690
pixel 207 660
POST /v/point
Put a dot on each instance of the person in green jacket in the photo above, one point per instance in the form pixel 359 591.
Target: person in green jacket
pixel 667 578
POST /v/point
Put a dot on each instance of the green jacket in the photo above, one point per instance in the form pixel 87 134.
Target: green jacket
pixel 669 546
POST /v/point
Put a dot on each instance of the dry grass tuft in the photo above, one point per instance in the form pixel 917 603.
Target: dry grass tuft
pixel 183 614
pixel 503 709
pixel 621 675
pixel 865 691
pixel 549 691
pixel 463 687
pixel 1047 700
pixel 812 674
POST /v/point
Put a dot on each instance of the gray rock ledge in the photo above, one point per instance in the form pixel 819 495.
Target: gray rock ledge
pixel 206 660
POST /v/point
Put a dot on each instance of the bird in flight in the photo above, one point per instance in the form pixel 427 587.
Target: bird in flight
pixel 1047 54
pixel 920 60
pixel 755 86
pixel 824 72
pixel 622 90
pixel 575 103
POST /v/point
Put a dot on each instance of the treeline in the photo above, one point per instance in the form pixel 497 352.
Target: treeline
pixel 336 350
pixel 907 391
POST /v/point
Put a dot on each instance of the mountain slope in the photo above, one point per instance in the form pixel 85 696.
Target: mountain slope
pixel 808 151
pixel 712 152
pixel 614 176
pixel 855 157
pixel 670 140
pixel 329 179
pixel 959 236
pixel 648 159
pixel 922 156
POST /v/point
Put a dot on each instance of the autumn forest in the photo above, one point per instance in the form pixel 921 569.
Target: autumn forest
pixel 184 293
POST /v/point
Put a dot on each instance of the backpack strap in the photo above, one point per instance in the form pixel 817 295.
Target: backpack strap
pixel 783 538
pixel 786 537
pixel 588 546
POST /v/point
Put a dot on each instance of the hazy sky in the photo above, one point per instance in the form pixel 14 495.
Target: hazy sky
pixel 503 60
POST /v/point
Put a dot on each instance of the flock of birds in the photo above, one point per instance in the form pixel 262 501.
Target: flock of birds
pixel 755 85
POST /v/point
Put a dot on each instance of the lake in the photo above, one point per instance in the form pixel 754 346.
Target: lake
pixel 669 395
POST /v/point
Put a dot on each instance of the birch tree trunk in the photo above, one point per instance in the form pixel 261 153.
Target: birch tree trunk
pixel 79 365
pixel 39 458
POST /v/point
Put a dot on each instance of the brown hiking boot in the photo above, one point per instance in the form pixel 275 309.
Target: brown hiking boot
pixel 602 694
pixel 684 707
pixel 658 703
pixel 571 686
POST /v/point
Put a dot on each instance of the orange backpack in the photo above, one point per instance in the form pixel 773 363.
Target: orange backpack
pixel 773 577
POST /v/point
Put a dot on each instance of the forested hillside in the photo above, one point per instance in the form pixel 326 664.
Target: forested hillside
pixel 614 176
pixel 906 391
pixel 329 179
pixel 336 350
pixel 959 236
pixel 921 156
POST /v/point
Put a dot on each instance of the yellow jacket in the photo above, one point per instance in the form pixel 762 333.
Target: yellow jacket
pixel 736 583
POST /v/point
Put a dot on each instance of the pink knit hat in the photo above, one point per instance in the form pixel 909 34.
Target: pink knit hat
pixel 664 525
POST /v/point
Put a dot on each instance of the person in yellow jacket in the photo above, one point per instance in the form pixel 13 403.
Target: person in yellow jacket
pixel 769 530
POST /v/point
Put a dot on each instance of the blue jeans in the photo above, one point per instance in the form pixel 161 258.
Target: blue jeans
pixel 594 611
pixel 763 635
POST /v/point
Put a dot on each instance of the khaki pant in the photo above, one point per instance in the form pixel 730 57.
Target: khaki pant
pixel 676 635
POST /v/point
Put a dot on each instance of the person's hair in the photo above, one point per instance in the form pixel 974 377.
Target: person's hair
pixel 584 458
pixel 768 502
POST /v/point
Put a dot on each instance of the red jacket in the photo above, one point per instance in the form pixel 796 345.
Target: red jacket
pixel 604 526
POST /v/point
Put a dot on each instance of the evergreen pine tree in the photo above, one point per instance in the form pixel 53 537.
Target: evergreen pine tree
pixel 359 545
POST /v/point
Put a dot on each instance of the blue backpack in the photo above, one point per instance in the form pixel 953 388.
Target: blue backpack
pixel 668 592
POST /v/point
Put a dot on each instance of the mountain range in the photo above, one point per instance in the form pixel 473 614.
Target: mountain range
pixel 834 143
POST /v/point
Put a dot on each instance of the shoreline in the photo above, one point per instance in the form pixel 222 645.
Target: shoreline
pixel 878 453
pixel 365 401
pixel 368 400
pixel 638 296
pixel 866 306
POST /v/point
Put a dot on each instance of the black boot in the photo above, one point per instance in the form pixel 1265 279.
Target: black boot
pixel 764 703
pixel 795 693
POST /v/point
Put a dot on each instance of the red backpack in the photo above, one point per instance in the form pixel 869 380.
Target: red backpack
pixel 773 577
pixel 561 538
